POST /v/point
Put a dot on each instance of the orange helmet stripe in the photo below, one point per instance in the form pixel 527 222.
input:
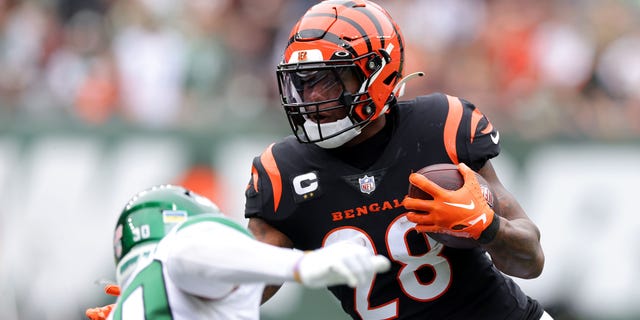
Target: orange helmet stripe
pixel 351 17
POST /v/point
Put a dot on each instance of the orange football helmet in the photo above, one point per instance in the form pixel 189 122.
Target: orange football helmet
pixel 334 40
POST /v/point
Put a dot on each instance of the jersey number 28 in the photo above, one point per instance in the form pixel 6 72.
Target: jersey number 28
pixel 399 252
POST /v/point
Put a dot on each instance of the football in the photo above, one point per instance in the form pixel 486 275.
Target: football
pixel 448 177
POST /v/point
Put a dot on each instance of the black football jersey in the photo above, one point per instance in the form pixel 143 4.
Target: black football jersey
pixel 315 199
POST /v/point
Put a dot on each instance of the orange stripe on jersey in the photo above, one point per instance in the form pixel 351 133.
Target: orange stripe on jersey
pixel 451 126
pixel 269 164
pixel 254 177
pixel 476 116
pixel 488 129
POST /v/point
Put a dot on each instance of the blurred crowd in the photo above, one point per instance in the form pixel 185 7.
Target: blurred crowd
pixel 538 69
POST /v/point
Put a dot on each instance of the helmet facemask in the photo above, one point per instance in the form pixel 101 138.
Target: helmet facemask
pixel 309 91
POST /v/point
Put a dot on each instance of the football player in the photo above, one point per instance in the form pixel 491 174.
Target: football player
pixel 347 167
pixel 178 257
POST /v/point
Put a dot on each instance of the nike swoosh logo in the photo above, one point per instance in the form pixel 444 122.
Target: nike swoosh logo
pixel 495 138
pixel 469 206
pixel 482 217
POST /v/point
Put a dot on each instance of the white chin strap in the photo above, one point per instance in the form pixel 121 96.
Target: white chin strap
pixel 330 128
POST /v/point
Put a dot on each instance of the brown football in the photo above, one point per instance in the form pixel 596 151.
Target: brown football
pixel 447 176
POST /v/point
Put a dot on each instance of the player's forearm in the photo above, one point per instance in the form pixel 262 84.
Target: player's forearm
pixel 267 234
pixel 214 253
pixel 516 249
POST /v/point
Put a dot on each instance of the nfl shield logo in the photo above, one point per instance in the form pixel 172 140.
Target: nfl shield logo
pixel 367 184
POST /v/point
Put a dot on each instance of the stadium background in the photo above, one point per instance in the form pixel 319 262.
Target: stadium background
pixel 102 98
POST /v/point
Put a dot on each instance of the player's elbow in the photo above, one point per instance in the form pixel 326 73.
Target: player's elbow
pixel 530 274
pixel 536 259
pixel 527 265
pixel 537 266
pixel 531 267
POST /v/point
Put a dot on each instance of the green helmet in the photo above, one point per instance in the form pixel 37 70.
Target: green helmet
pixel 148 217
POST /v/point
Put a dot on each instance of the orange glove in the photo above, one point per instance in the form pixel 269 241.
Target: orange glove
pixel 101 313
pixel 112 289
pixel 462 213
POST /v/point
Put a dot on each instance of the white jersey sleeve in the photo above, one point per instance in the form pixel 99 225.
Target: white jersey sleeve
pixel 211 257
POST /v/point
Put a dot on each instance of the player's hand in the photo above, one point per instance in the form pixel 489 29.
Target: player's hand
pixel 344 262
pixel 101 313
pixel 462 213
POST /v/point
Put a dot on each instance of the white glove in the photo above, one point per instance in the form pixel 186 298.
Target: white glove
pixel 343 262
